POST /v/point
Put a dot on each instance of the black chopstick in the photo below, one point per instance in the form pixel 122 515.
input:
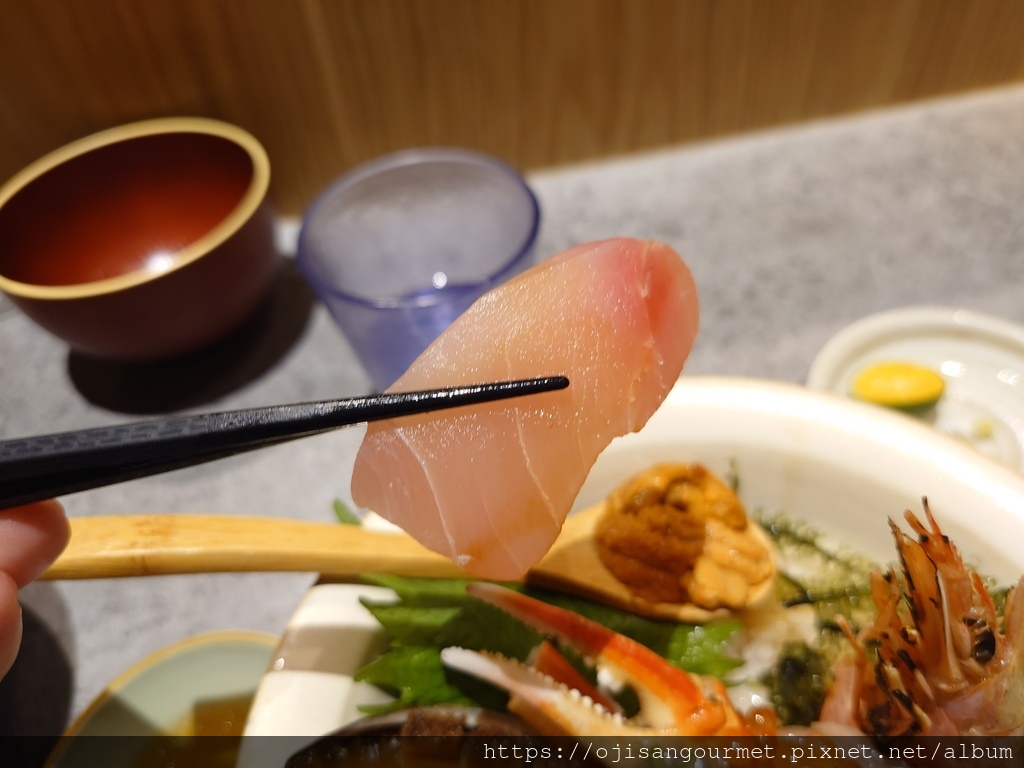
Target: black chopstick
pixel 45 466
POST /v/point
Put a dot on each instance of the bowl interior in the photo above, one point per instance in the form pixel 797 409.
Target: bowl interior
pixel 843 467
pixel 123 207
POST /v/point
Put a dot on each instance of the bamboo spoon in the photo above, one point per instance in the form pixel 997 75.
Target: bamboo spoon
pixel 148 545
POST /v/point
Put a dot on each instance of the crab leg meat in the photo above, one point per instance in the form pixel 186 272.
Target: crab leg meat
pixel 672 701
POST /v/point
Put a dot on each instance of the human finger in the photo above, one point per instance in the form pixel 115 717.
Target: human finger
pixel 10 623
pixel 31 538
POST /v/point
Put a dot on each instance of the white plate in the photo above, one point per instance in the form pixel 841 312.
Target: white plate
pixel 842 465
pixel 981 359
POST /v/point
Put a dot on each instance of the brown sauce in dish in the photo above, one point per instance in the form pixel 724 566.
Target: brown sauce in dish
pixel 121 208
pixel 210 735
pixel 216 717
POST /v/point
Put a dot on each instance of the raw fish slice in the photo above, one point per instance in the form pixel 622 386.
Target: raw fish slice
pixel 490 486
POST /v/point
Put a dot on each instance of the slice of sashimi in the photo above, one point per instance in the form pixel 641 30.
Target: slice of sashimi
pixel 489 486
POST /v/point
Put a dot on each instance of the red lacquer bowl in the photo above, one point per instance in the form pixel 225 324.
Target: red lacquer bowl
pixel 142 242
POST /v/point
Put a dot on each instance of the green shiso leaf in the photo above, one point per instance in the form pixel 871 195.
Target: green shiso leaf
pixel 345 515
pixel 432 614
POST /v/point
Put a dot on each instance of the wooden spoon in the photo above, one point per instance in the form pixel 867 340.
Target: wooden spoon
pixel 145 545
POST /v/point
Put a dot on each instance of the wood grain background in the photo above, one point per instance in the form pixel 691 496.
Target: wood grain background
pixel 325 84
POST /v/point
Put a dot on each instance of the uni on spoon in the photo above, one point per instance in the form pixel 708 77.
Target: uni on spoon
pixel 904 386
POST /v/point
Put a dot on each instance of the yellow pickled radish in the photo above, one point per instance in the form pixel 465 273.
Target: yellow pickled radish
pixel 904 386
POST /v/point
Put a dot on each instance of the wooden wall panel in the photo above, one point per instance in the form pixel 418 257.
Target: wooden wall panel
pixel 325 84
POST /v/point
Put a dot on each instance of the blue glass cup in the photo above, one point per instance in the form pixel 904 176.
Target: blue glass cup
pixel 402 245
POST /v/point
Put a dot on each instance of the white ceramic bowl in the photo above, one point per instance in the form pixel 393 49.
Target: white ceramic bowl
pixel 841 465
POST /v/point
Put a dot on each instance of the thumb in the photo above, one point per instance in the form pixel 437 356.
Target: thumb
pixel 31 538
pixel 10 623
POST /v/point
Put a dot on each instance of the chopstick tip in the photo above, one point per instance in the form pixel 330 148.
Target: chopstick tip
pixel 546 383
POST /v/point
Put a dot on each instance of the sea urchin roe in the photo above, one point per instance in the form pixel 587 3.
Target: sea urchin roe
pixel 677 534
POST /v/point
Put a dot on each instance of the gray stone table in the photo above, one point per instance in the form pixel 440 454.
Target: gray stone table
pixel 791 235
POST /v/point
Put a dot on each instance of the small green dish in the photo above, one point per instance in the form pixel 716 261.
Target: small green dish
pixel 200 686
